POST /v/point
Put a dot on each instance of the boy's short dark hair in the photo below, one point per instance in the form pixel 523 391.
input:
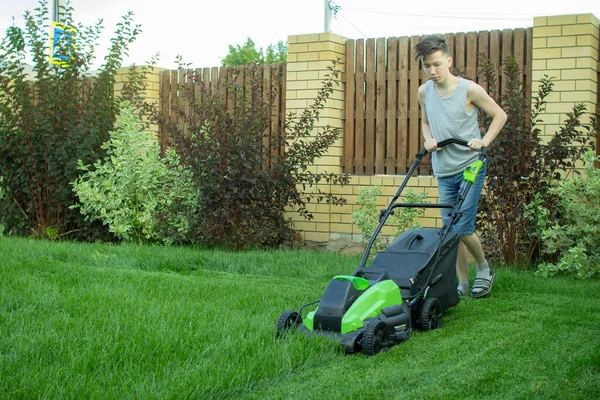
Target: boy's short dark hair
pixel 430 44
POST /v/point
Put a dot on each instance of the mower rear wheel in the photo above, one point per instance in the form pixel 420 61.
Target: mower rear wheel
pixel 288 320
pixel 374 339
pixel 430 315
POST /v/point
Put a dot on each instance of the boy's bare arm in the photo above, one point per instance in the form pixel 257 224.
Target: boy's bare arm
pixel 478 96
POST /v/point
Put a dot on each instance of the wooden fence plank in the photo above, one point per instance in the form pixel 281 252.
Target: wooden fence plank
pixel 404 55
pixel 370 109
pixel 349 105
pixel 483 47
pixel 359 142
pixel 414 131
pixel 381 105
pixel 472 55
pixel 392 106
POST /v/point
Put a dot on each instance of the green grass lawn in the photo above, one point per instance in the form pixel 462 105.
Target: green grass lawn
pixel 99 321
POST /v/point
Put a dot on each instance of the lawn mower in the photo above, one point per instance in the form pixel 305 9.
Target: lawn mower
pixel 409 284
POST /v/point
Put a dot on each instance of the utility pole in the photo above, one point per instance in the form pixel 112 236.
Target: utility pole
pixel 56 5
pixel 327 16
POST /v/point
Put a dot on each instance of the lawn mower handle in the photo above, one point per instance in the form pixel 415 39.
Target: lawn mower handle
pixel 460 142
pixel 385 213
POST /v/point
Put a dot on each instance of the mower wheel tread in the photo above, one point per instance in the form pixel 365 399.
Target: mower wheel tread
pixel 430 315
pixel 287 321
pixel 374 338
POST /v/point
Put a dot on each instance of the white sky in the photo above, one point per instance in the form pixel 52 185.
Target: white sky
pixel 201 30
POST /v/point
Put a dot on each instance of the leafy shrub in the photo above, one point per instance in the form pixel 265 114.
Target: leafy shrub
pixel 51 119
pixel 522 165
pixel 248 178
pixel 576 237
pixel 138 195
pixel 366 216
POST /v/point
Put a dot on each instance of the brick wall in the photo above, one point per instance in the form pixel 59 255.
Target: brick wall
pixel 566 47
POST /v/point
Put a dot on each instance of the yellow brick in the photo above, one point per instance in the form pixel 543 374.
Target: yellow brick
pixel 293 39
pixel 563 41
pixel 364 180
pixel 587 62
pixel 559 107
pixel 586 85
pixel 563 63
pixel 587 40
pixel 336 218
pixel 539 65
pixel 292 57
pixel 540 43
pixel 332 37
pixel 308 38
pixel 316 236
pixel 536 76
pixel 587 18
pixel 547 31
pixel 562 86
pixel 341 228
pixel 540 21
pixel 319 66
pixel 306 226
pixel 546 53
pixel 582 51
pixel 562 20
pixel 297 66
pixel 578 97
pixel 579 74
pixel 308 75
pixel 307 56
pixel 296 85
pixel 387 180
pixel 320 218
pixel 321 46
pixel 297 48
pixel 291 76
pixel 296 104
pixel 581 29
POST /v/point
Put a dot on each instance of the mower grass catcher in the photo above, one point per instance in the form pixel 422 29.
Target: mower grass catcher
pixel 409 284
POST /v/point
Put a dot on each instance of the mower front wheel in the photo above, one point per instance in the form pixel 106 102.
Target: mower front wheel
pixel 374 339
pixel 288 320
pixel 430 315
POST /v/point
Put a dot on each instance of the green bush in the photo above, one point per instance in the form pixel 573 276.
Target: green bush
pixel 575 239
pixel 138 195
pixel 51 119
pixel 248 178
pixel 523 164
pixel 366 216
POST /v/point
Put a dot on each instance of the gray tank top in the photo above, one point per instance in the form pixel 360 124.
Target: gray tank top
pixel 448 118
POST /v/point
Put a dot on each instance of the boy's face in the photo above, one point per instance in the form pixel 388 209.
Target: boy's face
pixel 437 66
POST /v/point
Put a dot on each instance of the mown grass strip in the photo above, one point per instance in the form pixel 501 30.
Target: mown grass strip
pixel 108 321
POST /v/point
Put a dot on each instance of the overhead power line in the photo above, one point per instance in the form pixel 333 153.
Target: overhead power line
pixel 519 17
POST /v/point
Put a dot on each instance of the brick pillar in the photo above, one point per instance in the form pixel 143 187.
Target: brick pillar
pixel 307 62
pixel 566 47
pixel 152 94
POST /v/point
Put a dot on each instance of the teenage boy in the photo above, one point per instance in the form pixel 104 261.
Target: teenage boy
pixel 449 108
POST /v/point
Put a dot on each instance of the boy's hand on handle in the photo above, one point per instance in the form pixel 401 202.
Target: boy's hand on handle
pixel 476 144
pixel 431 145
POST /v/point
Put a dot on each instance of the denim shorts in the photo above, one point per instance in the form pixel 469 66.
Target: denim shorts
pixel 448 189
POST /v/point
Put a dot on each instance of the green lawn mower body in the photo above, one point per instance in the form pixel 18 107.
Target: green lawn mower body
pixel 409 284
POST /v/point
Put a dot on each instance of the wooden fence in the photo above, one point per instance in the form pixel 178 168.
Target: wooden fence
pixel 177 87
pixel 382 121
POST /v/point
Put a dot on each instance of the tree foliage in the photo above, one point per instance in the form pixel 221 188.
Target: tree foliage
pixel 50 120
pixel 248 53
